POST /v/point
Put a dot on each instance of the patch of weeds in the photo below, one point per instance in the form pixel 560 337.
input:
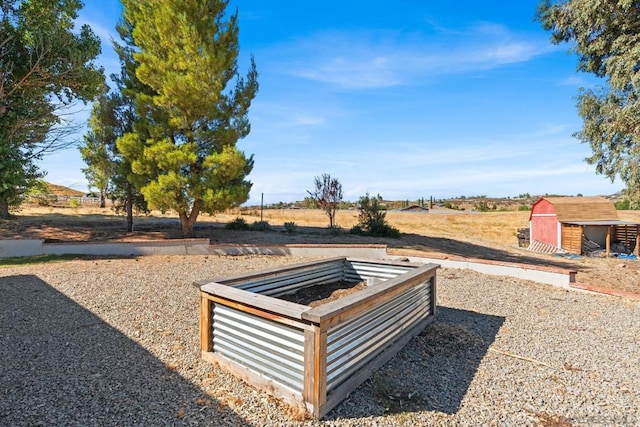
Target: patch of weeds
pixel 237 224
pixel 396 400
pixel 261 226
pixel 290 227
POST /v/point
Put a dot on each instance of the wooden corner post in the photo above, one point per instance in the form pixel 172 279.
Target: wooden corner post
pixel 206 333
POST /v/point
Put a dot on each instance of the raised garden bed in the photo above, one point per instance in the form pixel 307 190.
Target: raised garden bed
pixel 314 356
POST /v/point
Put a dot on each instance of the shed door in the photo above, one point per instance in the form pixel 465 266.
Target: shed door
pixel 572 238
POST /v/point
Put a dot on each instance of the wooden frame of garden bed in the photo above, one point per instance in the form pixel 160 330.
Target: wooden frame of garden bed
pixel 314 357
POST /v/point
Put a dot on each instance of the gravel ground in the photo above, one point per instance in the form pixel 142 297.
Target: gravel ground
pixel 115 342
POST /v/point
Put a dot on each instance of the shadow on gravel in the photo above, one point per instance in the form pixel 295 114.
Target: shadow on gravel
pixel 318 235
pixel 432 373
pixel 471 250
pixel 63 365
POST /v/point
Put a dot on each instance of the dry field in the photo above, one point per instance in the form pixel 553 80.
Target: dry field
pixel 489 235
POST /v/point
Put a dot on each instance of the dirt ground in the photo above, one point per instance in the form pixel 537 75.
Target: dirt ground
pixel 615 273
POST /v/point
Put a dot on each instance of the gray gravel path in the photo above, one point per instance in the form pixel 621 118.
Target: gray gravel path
pixel 115 342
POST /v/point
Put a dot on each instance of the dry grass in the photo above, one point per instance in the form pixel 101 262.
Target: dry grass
pixel 491 227
pixel 495 228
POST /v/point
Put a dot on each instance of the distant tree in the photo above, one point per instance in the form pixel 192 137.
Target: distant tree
pixel 623 205
pixel 345 204
pixel 45 66
pixel 120 117
pixel 186 52
pixel 18 174
pixel 309 202
pixel 605 36
pixel 100 166
pixel 327 195
pixel 97 149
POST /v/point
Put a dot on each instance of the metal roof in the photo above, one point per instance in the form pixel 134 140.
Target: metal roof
pixel 578 209
pixel 603 222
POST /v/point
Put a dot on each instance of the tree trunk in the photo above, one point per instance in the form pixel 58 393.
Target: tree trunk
pixel 129 207
pixel 332 217
pixel 4 210
pixel 186 225
pixel 187 220
pixel 103 202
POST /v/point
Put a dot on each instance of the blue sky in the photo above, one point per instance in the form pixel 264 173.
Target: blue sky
pixel 408 99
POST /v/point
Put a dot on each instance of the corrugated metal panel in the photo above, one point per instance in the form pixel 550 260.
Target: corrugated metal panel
pixel 300 278
pixel 357 271
pixel 272 349
pixel 354 343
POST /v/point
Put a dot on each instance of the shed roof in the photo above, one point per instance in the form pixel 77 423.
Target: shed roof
pixel 571 209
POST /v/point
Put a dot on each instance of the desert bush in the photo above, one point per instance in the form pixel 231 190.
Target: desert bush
pixel 74 203
pixel 290 227
pixel 357 229
pixel 524 207
pixel 372 219
pixel 237 224
pixel 482 206
pixel 260 226
pixel 384 230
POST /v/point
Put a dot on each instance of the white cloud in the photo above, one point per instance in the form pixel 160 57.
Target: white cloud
pixel 378 58
pixel 281 115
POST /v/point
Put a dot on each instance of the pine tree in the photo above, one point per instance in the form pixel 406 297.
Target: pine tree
pixel 193 110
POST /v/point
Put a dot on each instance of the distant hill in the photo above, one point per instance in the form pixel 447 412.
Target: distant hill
pixel 60 190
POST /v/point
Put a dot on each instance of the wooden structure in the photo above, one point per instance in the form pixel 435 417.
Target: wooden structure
pixel 567 222
pixel 314 357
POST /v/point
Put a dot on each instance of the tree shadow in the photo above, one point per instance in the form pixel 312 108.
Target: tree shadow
pixel 432 373
pixel 63 365
pixel 411 241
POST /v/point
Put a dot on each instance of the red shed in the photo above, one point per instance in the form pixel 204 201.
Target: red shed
pixel 568 222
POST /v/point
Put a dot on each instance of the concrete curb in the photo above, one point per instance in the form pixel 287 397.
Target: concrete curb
pixel 303 250
pixel 18 248
pixel 549 275
pixel 606 291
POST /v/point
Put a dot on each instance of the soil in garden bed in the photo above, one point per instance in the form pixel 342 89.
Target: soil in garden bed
pixel 314 296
